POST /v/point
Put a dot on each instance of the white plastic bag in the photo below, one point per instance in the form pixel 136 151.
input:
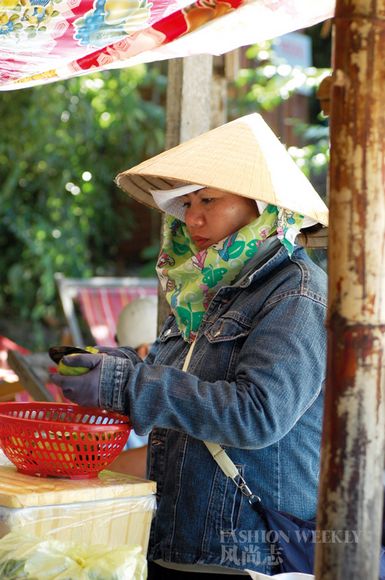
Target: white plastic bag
pixel 284 576
pixel 32 558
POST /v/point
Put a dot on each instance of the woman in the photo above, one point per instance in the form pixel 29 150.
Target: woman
pixel 253 305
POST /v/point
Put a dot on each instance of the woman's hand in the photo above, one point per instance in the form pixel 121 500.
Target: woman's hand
pixel 83 388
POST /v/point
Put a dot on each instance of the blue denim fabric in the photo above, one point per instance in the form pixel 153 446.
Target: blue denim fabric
pixel 255 386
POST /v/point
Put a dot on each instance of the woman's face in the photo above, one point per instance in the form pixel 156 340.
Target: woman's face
pixel 212 214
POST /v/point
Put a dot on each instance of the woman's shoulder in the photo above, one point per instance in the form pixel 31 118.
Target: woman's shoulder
pixel 288 276
pixel 305 277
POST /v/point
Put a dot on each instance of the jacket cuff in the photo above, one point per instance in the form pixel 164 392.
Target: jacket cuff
pixel 111 392
pixel 130 353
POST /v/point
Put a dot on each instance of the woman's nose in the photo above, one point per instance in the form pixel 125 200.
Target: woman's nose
pixel 194 217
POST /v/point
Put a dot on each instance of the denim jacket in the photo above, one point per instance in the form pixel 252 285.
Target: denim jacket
pixel 254 385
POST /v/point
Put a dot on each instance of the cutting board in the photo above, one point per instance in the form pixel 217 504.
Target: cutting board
pixel 18 490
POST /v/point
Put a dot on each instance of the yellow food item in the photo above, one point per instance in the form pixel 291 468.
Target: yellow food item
pixel 75 371
pixel 71 371
pixel 91 349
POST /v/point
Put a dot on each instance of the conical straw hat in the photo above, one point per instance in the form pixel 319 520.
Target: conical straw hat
pixel 243 157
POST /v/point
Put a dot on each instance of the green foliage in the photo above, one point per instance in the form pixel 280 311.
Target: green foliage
pixel 149 257
pixel 62 145
pixel 313 157
pixel 267 80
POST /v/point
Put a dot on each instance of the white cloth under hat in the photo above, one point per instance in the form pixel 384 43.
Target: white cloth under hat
pixel 169 200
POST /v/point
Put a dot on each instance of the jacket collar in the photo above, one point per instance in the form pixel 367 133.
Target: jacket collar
pixel 274 255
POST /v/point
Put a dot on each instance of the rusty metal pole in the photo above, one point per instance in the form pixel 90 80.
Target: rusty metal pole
pixel 350 501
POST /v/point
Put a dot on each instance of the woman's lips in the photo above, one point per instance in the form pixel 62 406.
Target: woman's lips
pixel 201 242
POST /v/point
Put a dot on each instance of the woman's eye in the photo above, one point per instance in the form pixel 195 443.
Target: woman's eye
pixel 186 204
pixel 207 200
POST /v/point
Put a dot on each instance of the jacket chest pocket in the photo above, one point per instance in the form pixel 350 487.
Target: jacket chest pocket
pixel 226 338
pixel 169 343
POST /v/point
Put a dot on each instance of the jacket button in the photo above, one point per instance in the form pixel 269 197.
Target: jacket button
pixel 167 332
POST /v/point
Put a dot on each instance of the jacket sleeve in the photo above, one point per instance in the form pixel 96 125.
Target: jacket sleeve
pixel 278 376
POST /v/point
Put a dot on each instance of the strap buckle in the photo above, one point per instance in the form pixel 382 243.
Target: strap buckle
pixel 244 489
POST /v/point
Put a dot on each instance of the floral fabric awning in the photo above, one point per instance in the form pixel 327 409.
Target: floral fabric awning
pixel 43 41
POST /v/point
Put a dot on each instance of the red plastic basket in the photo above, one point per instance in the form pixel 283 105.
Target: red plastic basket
pixel 61 440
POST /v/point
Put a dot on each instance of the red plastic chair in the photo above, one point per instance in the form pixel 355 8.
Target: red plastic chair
pixel 100 301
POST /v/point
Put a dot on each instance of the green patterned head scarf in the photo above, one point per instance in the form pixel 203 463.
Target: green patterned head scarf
pixel 190 278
